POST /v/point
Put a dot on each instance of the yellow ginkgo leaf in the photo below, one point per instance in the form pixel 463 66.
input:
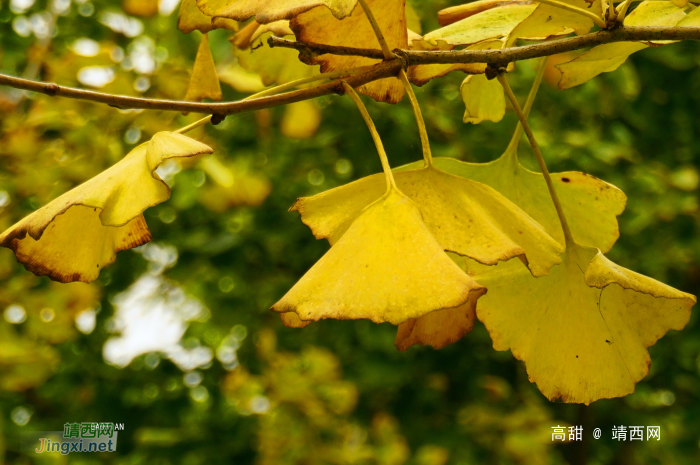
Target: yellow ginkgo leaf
pixel 266 11
pixel 387 267
pixel 494 23
pixel 438 328
pixel 204 82
pixel 301 119
pixel 466 217
pixel 73 237
pixel 319 26
pixel 608 57
pixel 483 99
pixel 582 330
pixel 191 18
pixel 680 3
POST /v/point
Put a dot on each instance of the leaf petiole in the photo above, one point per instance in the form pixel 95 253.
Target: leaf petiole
pixel 513 145
pixel 622 10
pixel 375 135
pixel 388 54
pixel 569 241
pixel 427 156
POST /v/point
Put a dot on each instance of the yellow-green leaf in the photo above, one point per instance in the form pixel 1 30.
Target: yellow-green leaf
pixel 494 23
pixel 73 237
pixel 387 267
pixel 484 100
pixel 590 204
pixel 582 330
pixel 548 20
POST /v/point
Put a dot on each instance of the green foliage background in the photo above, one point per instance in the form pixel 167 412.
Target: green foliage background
pixel 334 392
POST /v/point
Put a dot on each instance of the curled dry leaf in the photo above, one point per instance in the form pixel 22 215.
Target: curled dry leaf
pixel 319 26
pixel 387 267
pixel 466 217
pixel 204 82
pixel 608 57
pixel 583 330
pixel 73 237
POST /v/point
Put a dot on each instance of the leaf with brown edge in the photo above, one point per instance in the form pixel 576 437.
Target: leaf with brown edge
pixel 387 267
pixel 583 330
pixel 204 82
pixel 190 18
pixel 74 236
pixel 466 217
pixel 319 26
pixel 266 11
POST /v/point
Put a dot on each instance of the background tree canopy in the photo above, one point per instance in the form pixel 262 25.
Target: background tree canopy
pixel 176 341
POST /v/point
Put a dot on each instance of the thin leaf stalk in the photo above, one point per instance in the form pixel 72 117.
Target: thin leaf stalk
pixel 569 242
pixel 375 135
pixel 512 149
pixel 425 143
pixel 388 54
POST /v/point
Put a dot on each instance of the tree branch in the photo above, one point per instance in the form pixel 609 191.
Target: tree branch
pixel 506 55
pixel 379 71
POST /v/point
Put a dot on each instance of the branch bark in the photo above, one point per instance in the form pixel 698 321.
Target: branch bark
pixel 379 71
pixel 506 55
